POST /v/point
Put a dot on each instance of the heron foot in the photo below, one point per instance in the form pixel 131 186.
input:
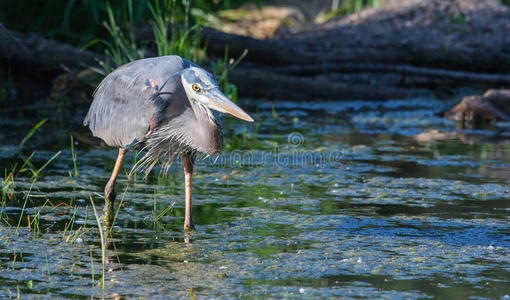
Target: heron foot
pixel 108 215
pixel 187 237
pixel 188 225
pixel 108 212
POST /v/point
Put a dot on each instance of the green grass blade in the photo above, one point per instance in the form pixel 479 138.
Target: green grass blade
pixel 32 131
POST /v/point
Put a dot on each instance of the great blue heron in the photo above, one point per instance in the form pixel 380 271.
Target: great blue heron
pixel 161 105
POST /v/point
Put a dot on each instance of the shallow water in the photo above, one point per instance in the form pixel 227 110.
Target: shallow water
pixel 329 199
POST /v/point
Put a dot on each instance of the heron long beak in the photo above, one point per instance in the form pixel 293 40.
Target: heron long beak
pixel 220 102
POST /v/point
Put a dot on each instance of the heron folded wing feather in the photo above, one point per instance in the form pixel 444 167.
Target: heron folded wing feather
pixel 123 104
pixel 120 112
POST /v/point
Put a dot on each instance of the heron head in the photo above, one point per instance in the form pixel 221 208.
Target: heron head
pixel 203 88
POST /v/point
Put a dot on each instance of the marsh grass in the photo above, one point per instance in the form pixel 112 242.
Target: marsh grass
pixel 346 7
pixel 103 246
pixel 221 69
pixel 70 235
pixel 173 34
pixel 32 218
pixel 74 156
pixel 8 183
pixel 34 223
pixel 165 211
pixel 27 195
pixel 77 22
pixel 158 215
pixel 123 46
pixel 32 132
pixel 7 194
pixel 37 172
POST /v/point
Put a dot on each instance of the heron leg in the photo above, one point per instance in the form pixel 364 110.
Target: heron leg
pixel 109 190
pixel 187 162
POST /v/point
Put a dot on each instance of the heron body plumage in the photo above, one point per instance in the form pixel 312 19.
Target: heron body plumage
pixel 143 104
pixel 167 106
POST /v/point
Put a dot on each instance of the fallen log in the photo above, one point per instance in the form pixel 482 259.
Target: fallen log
pixel 427 43
pixel 468 35
pixel 34 50
pixel 463 76
pixel 464 41
pixel 22 49
pixel 259 83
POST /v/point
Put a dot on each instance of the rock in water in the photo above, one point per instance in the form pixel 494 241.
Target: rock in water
pixel 479 110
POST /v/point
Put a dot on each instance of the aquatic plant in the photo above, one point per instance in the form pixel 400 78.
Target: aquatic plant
pixel 103 245
pixel 74 155
pixel 221 69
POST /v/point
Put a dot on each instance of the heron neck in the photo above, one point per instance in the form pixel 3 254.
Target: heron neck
pixel 203 112
pixel 207 130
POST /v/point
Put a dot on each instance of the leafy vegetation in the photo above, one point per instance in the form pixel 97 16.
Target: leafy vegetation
pixel 123 45
pixel 183 39
pixel 174 34
pixel 78 22
pixel 345 7
pixel 221 68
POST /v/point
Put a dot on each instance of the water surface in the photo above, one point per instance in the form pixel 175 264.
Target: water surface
pixel 316 200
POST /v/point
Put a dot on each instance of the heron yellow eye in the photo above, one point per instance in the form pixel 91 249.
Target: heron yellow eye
pixel 196 87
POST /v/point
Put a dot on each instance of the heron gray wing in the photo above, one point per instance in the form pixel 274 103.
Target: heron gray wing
pixel 131 100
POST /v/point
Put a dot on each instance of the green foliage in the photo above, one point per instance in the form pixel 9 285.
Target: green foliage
pixel 173 35
pixel 8 183
pixel 346 7
pixel 75 22
pixel 32 132
pixel 183 40
pixel 221 68
pixel 110 27
pixel 75 157
pixel 78 22
pixel 123 45
pixel 459 18
pixel 3 94
pixel 103 244
pixel 505 2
